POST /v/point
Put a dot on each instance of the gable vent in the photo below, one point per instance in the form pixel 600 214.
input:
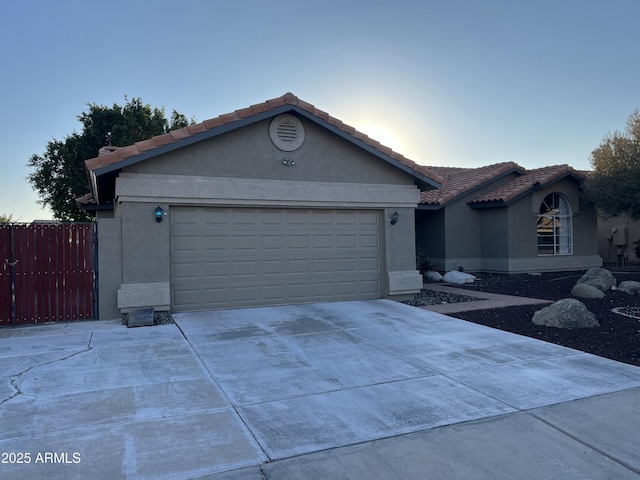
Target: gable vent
pixel 286 132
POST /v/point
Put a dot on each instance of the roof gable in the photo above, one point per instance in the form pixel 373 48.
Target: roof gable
pixel 458 182
pixel 104 168
pixel 525 184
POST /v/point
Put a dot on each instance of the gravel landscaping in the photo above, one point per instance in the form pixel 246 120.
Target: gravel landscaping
pixel 617 337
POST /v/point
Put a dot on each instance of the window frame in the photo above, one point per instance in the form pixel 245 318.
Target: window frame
pixel 554 226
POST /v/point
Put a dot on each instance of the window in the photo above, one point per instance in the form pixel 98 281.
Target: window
pixel 555 230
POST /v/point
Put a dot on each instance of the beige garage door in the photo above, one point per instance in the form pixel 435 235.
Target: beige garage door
pixel 238 257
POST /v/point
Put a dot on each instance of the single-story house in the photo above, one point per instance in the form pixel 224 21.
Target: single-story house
pixel 506 219
pixel 272 204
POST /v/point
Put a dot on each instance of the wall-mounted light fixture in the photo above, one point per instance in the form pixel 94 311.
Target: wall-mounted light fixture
pixel 288 162
pixel 394 218
pixel 159 213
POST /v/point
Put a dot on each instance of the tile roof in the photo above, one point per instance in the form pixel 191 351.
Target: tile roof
pixel 532 179
pixel 458 181
pixel 122 153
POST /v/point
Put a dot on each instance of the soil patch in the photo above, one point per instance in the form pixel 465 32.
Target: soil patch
pixel 617 337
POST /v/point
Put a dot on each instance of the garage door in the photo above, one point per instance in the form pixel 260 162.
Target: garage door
pixel 239 257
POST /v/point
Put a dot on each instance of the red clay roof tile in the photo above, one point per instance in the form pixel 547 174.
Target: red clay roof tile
pixel 180 133
pixel 161 140
pixel 260 107
pixel 126 152
pixel 458 181
pixel 213 123
pixel 229 117
pixel 529 180
pixel 145 145
pixel 276 102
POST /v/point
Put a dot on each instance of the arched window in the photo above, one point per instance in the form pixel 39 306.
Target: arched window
pixel 555 230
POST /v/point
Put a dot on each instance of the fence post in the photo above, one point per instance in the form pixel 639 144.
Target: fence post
pixel 12 264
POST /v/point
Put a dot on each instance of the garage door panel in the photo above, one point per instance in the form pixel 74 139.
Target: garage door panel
pixel 369 241
pixel 237 257
pixel 272 242
pixel 371 264
pixel 298 266
pixel 244 268
pixel 322 241
pixel 272 267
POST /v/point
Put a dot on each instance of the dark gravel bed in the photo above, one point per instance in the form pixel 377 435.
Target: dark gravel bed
pixel 429 297
pixel 617 337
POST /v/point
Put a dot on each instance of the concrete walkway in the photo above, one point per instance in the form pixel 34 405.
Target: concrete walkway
pixel 373 389
pixel 486 300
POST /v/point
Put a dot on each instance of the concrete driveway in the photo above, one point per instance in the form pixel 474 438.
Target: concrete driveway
pixel 371 389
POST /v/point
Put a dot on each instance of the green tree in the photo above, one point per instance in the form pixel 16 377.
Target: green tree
pixel 6 218
pixel 59 175
pixel 614 183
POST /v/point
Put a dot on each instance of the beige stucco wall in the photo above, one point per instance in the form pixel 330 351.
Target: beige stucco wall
pixel 249 153
pixel 243 168
pixel 616 238
pixel 109 264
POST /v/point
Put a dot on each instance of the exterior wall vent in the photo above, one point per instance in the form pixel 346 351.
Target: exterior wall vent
pixel 286 132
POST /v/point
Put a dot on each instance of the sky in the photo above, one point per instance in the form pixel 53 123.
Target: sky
pixel 460 83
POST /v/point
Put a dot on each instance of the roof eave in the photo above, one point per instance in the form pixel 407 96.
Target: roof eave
pixel 488 204
pixel 430 206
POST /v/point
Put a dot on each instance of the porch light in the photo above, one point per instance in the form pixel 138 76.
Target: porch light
pixel 159 213
pixel 394 218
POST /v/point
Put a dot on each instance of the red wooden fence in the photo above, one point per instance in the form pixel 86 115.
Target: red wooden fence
pixel 48 273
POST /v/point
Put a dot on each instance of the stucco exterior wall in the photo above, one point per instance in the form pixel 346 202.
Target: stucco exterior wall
pixel 249 153
pixel 109 265
pixel 616 238
pixel 430 235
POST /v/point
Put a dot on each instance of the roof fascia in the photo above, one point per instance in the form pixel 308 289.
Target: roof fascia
pixel 429 206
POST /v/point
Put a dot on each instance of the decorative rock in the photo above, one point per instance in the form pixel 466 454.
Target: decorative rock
pixel 599 278
pixel 585 290
pixel 432 276
pixel 629 286
pixel 568 313
pixel 140 317
pixel 458 277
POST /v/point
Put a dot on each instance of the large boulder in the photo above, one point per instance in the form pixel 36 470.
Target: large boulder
pixel 629 286
pixel 567 313
pixel 458 277
pixel 599 278
pixel 432 276
pixel 584 290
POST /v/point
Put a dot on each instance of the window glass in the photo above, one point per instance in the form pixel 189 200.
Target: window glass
pixel 555 229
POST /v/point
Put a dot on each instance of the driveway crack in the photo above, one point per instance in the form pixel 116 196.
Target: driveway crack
pixel 15 380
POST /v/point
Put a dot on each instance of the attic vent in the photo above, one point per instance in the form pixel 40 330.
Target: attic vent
pixel 286 132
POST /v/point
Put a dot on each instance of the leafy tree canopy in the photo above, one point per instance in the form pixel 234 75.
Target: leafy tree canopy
pixel 59 175
pixel 614 184
pixel 6 218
